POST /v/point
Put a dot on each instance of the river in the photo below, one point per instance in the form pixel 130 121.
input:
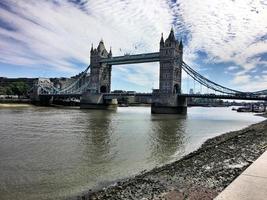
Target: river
pixel 55 153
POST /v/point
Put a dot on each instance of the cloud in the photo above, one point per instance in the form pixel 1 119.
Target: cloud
pixel 250 83
pixel 256 84
pixel 56 35
pixel 241 79
pixel 228 31
pixel 232 68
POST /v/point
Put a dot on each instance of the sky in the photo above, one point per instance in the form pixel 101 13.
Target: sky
pixel 224 40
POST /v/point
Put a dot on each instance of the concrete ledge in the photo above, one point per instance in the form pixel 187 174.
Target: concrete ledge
pixel 250 185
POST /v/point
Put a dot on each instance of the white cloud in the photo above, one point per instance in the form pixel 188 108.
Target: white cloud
pixel 241 79
pixel 226 30
pixel 232 68
pixel 53 36
pixel 255 85
pixel 250 83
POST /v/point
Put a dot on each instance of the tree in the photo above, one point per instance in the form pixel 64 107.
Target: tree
pixel 2 90
pixel 9 91
pixel 19 88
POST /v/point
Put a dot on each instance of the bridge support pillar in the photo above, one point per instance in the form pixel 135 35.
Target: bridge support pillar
pixel 97 101
pixel 43 101
pixel 166 100
pixel 168 104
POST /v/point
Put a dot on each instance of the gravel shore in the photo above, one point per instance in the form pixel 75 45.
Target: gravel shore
pixel 202 174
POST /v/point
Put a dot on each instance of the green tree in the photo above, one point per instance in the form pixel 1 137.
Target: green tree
pixel 19 88
pixel 2 90
pixel 9 90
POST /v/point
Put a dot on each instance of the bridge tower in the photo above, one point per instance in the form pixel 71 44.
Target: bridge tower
pixel 171 58
pixel 100 74
pixel 165 99
pixel 100 81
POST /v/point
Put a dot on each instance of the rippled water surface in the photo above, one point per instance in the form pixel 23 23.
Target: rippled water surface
pixel 52 153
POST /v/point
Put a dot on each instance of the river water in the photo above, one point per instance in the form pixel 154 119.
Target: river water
pixel 54 153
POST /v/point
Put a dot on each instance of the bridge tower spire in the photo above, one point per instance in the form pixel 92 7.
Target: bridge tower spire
pixel 110 53
pixel 161 41
pixel 92 48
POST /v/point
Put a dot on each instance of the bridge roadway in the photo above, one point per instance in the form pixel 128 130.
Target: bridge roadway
pixel 106 95
pixel 131 59
pixel 237 97
pixel 207 96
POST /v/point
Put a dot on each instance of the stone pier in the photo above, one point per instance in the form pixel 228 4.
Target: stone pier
pixel 168 104
pixel 97 101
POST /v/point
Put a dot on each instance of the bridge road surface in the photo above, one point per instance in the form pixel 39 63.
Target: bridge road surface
pixel 250 185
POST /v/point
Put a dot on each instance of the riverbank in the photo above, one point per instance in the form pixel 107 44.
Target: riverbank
pixel 15 105
pixel 15 101
pixel 202 174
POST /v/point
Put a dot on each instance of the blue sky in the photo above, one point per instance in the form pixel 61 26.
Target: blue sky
pixel 225 40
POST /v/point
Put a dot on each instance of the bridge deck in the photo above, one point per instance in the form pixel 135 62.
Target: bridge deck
pixel 206 96
pixel 131 59
pixel 62 95
pixel 237 97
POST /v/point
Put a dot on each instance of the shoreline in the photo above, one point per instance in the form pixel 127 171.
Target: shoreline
pixel 15 105
pixel 202 174
pixel 15 101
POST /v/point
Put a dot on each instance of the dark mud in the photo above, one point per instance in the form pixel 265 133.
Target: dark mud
pixel 201 174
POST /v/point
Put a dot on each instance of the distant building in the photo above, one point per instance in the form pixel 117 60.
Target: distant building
pixel 191 91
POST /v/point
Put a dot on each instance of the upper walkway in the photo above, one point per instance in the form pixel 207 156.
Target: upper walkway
pixel 250 185
pixel 131 59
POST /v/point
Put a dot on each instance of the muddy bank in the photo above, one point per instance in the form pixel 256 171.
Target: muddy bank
pixel 200 175
pixel 15 101
pixel 14 105
pixel 262 114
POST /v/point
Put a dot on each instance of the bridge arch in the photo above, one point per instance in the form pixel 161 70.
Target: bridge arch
pixel 176 89
pixel 103 89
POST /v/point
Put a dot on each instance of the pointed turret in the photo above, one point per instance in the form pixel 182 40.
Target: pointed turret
pixel 92 48
pixel 101 48
pixel 161 41
pixel 181 46
pixel 171 35
pixel 101 45
pixel 110 53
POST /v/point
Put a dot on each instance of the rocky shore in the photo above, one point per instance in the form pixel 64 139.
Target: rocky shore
pixel 202 174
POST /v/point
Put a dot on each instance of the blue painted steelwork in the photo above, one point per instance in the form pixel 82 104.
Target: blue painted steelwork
pixel 131 59
pixel 76 88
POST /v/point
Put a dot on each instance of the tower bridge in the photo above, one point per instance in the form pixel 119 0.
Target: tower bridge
pixel 93 85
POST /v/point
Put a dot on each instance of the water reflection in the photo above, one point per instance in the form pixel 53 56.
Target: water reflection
pixel 97 137
pixel 48 153
pixel 167 137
